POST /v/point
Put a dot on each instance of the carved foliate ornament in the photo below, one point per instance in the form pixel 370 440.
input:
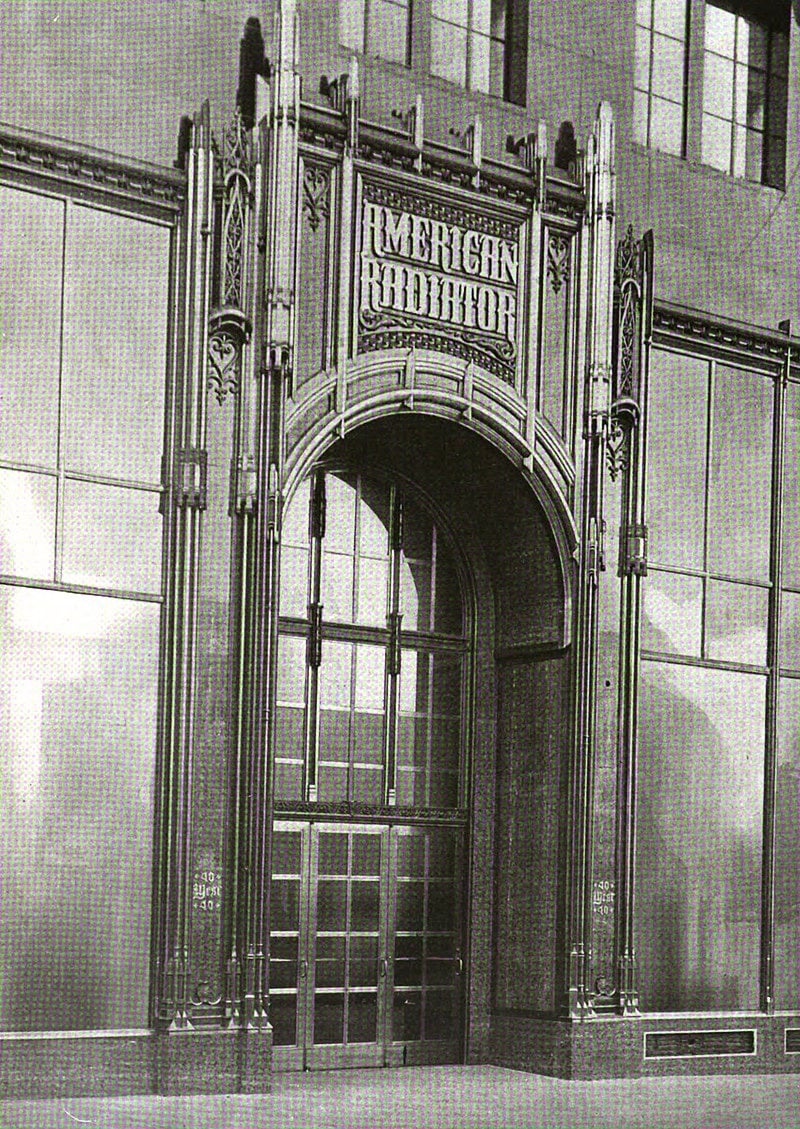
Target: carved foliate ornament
pixel 316 195
pixel 558 260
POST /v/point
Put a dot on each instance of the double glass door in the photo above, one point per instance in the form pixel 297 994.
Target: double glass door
pixel 365 951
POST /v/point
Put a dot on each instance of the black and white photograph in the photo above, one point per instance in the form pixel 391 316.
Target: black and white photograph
pixel 400 564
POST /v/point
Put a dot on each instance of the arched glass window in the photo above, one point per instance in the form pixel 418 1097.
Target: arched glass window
pixel 372 649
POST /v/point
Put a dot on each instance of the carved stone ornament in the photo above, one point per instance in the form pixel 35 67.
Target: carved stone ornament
pixel 229 330
pixel 316 195
pixel 558 259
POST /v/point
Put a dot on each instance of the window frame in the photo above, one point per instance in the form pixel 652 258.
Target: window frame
pixel 693 97
pixel 422 641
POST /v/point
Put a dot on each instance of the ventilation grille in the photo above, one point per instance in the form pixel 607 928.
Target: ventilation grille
pixel 793 1040
pixel 688 1044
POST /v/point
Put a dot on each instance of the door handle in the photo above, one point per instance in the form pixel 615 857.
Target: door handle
pixel 303 969
pixel 459 966
pixel 382 967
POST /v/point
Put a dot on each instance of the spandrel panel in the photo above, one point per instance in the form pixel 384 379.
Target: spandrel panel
pixel 698 885
pixel 787 848
pixel 112 537
pixel 115 335
pixel 676 459
pixel 740 474
pixel 30 298
pixel 27 524
pixel 78 697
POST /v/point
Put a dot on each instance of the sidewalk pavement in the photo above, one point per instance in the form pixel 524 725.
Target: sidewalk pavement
pixel 441 1097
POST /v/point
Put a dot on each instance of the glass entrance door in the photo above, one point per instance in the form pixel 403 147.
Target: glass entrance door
pixel 365 958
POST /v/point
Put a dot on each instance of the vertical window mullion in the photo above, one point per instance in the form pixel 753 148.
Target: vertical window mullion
pixel 311 727
pixel 392 678
pixel 61 414
pixel 707 503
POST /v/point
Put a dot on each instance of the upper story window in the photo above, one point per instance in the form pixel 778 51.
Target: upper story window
pixel 478 44
pixel 468 43
pixel 376 27
pixel 711 84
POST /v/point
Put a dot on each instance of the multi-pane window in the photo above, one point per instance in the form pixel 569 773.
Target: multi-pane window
pixel 372 649
pixel 83 374
pixel 711 82
pixel 464 41
pixel 468 43
pixel 711 677
pixel 744 96
pixel 376 27
pixel 660 80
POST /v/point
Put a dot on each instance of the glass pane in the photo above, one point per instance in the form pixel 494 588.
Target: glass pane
pixel 449 52
pixel 750 97
pixel 676 457
pixel 30 298
pixel 367 854
pixel 115 333
pixel 336 588
pixel 640 117
pixel 668 56
pixel 666 126
pixel 362 1017
pixel 78 698
pixel 285 904
pixel 328 1017
pixel 334 737
pixel 112 537
pixel 415 594
pixel 717 143
pixel 286 851
pixel 334 673
pixel 787 848
pixel 410 905
pixel 294 582
pixel 291 669
pixel 330 963
pixel 720 30
pixel 388 30
pixel 332 783
pixel 448 612
pixel 295 526
pixel 373 520
pixel 373 591
pixel 333 852
pixel 741 460
pixel 351 24
pixel 736 623
pixel 698 892
pixel 779 53
pixel 283 1017
pixel 332 904
pixel 365 903
pixel 407 1016
pixel 642 59
pixel 791 488
pixel 446 696
pixel 370 664
pixel 340 514
pixel 453 10
pixel 670 17
pixel 27 524
pixel 480 63
pixel 289 734
pixel 790 630
pixel 644 12
pixel 440 1015
pixel 672 613
pixel 718 86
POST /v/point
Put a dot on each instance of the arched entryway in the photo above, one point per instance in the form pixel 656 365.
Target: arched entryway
pixel 407 551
